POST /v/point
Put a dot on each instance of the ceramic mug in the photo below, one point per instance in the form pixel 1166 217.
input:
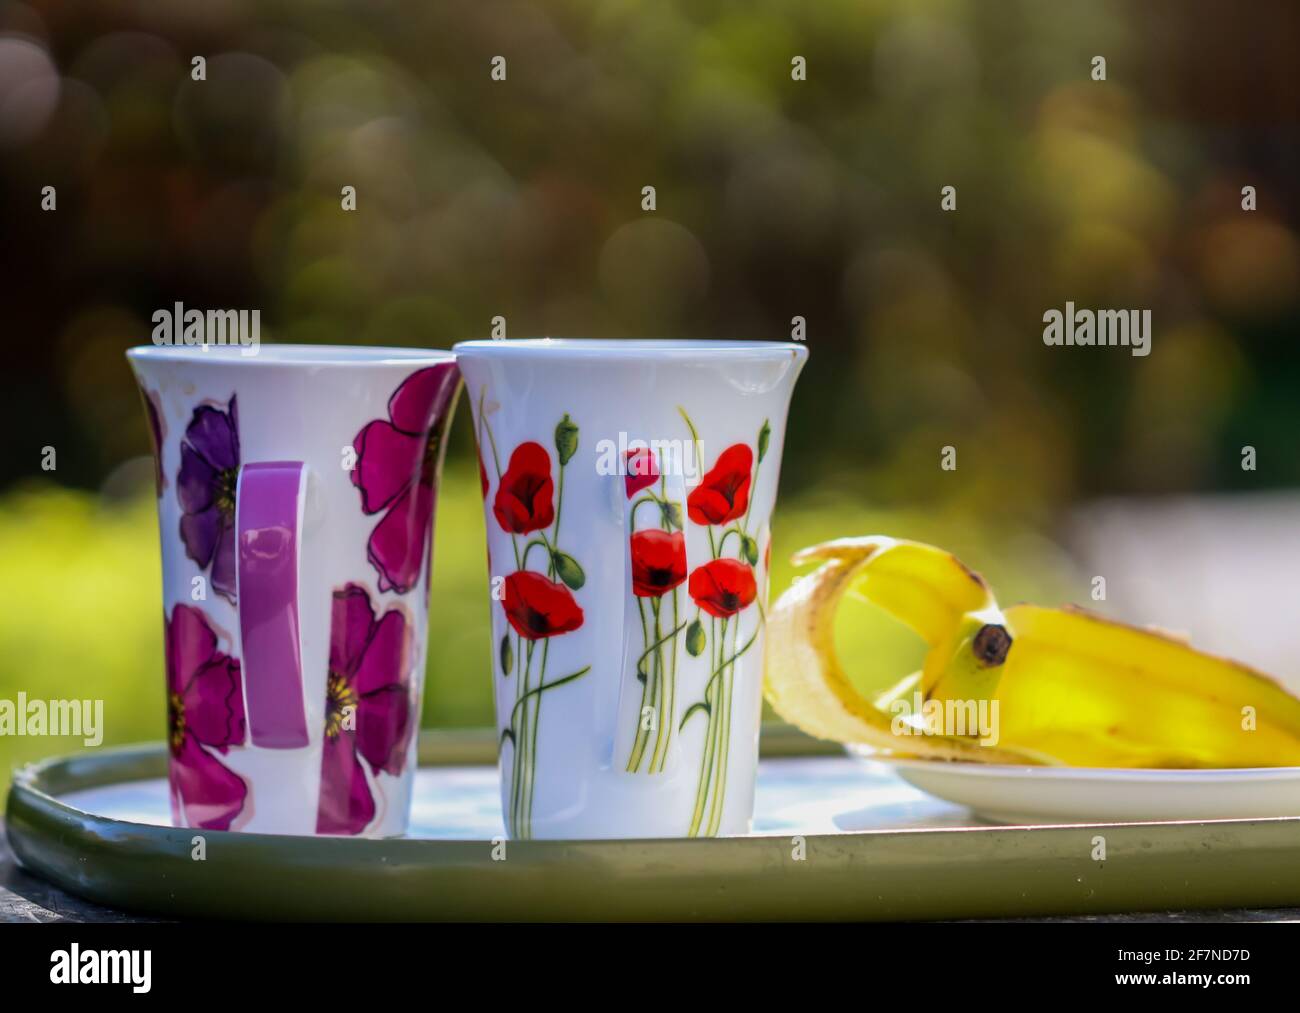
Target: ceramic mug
pixel 296 491
pixel 628 490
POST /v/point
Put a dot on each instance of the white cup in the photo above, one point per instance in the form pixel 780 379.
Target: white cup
pixel 296 492
pixel 628 491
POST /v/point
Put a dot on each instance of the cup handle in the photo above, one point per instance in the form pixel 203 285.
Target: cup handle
pixel 654 702
pixel 268 521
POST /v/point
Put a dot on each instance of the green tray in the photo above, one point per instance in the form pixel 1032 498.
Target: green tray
pixel 873 848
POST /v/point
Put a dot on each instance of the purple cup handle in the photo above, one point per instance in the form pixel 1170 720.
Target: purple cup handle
pixel 268 509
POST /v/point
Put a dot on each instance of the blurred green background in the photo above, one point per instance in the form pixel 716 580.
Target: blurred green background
pixel 775 198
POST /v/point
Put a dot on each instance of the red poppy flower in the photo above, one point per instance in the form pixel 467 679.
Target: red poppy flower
pixel 523 500
pixel 642 470
pixel 538 607
pixel 723 587
pixel 482 476
pixel 658 562
pixel 723 495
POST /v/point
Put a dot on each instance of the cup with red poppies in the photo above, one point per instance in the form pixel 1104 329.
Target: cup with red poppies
pixel 296 489
pixel 628 489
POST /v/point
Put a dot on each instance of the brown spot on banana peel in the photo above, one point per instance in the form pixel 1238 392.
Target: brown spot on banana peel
pixel 974 575
pixel 991 645
pixel 801 635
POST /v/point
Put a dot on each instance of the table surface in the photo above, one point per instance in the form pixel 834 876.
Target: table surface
pixel 25 898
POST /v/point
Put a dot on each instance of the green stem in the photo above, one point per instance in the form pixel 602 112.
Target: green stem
pixel 521 743
pixel 706 764
pixel 648 498
pixel 666 719
pixel 722 542
pixel 482 420
pixel 728 692
pixel 532 544
pixel 753 487
pixel 657 666
pixel 559 507
pixel 554 683
pixel 552 547
pixel 638 742
pixel 695 442
pixel 716 693
pixel 550 555
pixel 534 696
pixel 717 672
pixel 720 717
pixel 531 767
pixel 496 460
pixel 662 639
pixel 695 437
pixel 710 734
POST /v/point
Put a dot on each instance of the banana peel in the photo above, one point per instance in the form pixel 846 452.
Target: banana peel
pixel 804 681
pixel 1066 686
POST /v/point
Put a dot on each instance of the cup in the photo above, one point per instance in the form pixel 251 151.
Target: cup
pixel 296 491
pixel 628 490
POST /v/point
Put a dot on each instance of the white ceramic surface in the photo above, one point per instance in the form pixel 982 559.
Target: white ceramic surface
pixel 1047 795
pixel 602 752
pixel 305 408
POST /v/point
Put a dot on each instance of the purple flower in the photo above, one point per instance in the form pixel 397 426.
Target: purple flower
pixel 205 715
pixel 206 488
pixel 369 710
pixel 397 464
pixel 156 435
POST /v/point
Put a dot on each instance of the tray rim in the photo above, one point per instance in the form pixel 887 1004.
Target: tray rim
pixel 897 873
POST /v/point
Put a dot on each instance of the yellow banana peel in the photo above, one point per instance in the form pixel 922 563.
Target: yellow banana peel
pixel 1029 685
pixel 927 589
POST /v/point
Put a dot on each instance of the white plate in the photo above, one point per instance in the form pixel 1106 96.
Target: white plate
pixel 1035 795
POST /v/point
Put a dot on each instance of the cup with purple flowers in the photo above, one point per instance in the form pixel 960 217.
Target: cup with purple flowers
pixel 296 491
